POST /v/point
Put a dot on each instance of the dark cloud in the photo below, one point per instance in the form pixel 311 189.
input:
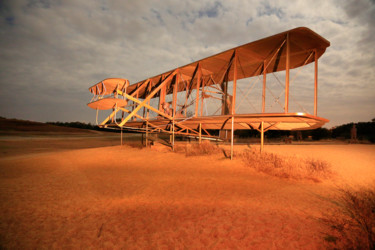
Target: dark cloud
pixel 267 9
pixel 364 12
pixel 211 11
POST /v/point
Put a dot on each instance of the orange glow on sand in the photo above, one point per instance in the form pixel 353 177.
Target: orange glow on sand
pixel 143 198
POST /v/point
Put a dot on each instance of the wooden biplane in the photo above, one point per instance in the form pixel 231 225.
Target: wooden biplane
pixel 173 102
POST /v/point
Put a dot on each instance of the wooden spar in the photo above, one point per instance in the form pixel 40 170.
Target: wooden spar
pixel 109 117
pixel 316 84
pixel 264 88
pixel 261 136
pixel 188 88
pixel 231 139
pixel 162 95
pixel 200 133
pixel 287 74
pixel 147 98
pixel 186 98
pixel 206 132
pixel 152 109
pixel 148 111
pixel 147 133
pixel 233 102
pixel 224 109
pixel 147 106
pixel 197 89
pixel 133 106
pixel 224 86
pixel 170 134
pixel 233 111
pixel 136 115
pixel 202 99
pixel 175 90
pixel 174 107
pixel 136 91
pixel 173 135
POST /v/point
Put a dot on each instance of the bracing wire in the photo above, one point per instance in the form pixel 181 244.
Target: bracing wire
pixel 247 93
pixel 291 97
pixel 248 101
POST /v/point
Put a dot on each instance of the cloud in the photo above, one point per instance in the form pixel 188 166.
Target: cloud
pixel 52 51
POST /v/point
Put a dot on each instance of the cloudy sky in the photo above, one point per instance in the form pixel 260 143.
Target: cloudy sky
pixel 52 51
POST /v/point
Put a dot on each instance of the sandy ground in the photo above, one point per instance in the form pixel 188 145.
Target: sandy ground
pixel 31 144
pixel 123 197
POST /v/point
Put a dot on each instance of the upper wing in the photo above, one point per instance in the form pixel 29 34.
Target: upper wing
pixel 267 54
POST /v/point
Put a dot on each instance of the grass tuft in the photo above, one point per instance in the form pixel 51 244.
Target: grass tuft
pixel 352 220
pixel 287 166
pixel 205 148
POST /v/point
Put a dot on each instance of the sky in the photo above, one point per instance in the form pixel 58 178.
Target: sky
pixel 51 52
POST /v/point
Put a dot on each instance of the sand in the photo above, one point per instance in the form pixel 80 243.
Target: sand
pixel 124 197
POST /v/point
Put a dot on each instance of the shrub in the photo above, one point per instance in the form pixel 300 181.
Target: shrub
pixel 352 220
pixel 205 148
pixel 287 166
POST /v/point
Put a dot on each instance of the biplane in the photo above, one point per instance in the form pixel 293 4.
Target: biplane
pixel 175 102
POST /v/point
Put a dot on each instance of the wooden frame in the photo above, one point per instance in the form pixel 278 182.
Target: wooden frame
pixel 284 51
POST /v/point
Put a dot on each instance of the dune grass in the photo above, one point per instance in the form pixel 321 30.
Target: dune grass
pixel 352 220
pixel 287 166
pixel 205 148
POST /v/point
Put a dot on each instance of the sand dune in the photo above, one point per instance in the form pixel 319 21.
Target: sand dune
pixel 122 197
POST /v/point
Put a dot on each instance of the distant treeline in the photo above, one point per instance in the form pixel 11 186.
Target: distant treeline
pixel 81 125
pixel 365 131
pixel 75 125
